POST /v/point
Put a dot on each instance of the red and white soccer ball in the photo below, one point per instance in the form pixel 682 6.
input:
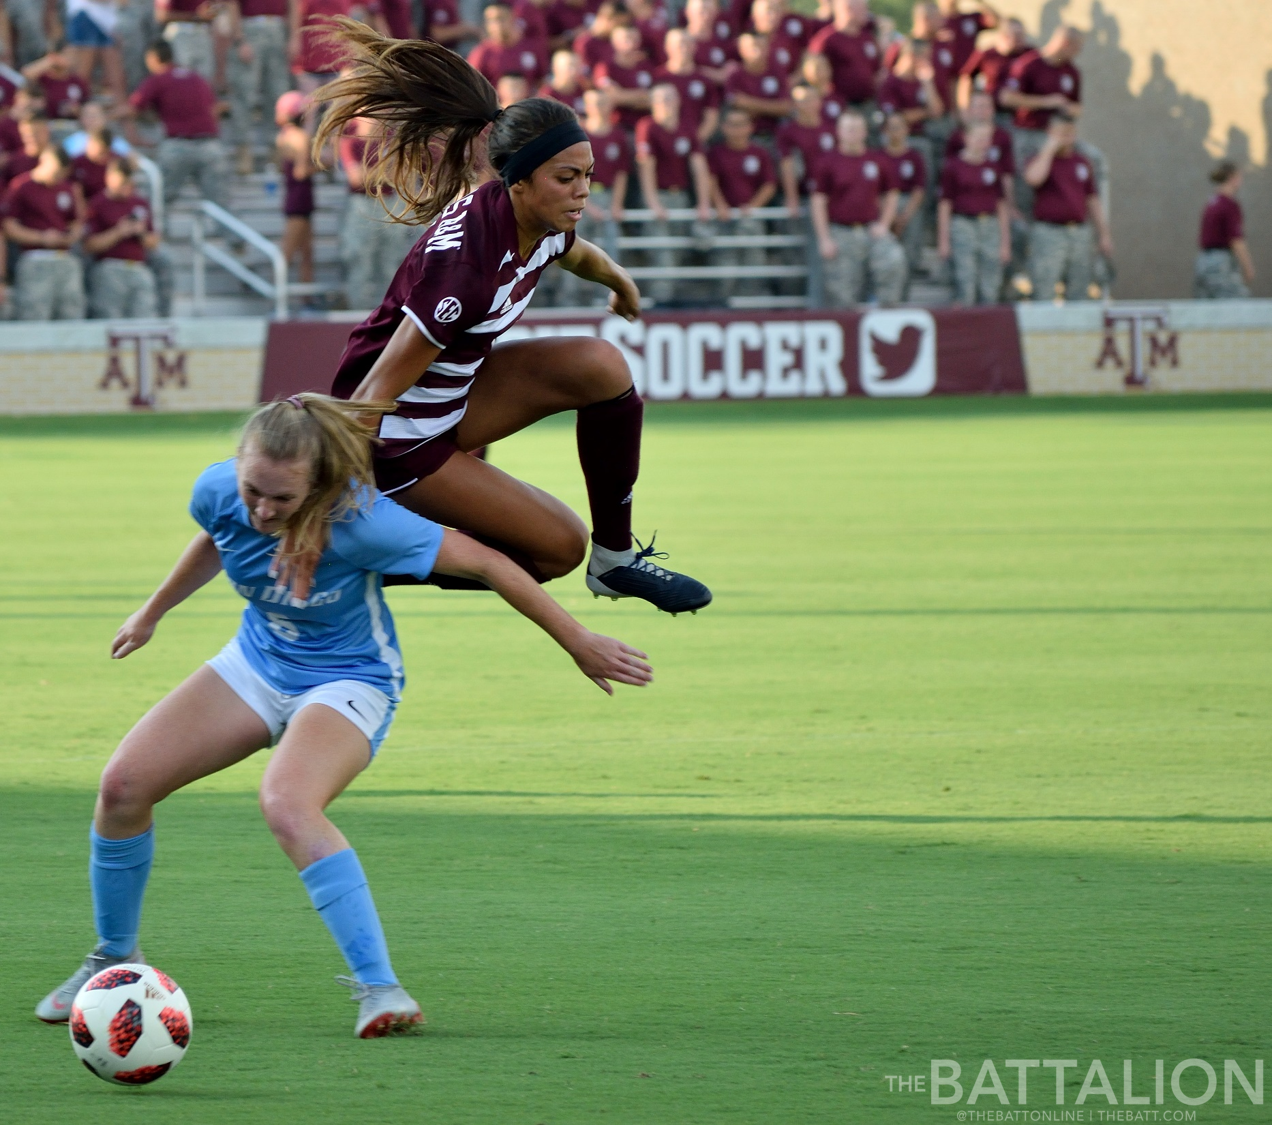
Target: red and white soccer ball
pixel 130 1024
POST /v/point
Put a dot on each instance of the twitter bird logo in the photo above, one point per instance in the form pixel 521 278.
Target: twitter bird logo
pixel 896 353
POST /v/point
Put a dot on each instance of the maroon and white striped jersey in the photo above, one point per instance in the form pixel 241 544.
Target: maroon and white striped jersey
pixel 463 284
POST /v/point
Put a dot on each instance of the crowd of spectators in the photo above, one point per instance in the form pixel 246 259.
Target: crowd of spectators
pixel 878 144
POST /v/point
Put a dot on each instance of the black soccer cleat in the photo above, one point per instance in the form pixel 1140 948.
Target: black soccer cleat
pixel 664 589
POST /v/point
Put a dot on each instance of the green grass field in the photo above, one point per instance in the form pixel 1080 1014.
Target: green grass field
pixel 968 760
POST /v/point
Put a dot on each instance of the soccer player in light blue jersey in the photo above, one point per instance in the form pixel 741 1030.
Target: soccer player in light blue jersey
pixel 303 536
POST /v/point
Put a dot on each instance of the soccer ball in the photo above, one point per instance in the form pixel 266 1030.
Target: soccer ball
pixel 130 1024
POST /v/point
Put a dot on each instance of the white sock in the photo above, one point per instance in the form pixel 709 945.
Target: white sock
pixel 604 559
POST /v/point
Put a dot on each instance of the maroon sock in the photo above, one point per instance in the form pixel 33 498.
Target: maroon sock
pixel 451 582
pixel 609 451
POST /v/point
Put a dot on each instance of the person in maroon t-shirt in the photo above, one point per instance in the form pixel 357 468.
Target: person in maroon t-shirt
pixel 1224 269
pixel 850 47
pixel 699 95
pixel 962 27
pixel 911 159
pixel 787 34
pixel 566 84
pixel 40 217
pixel 853 207
pixel 973 231
pixel 802 140
pixel 628 76
pixel 564 20
pixel 443 23
pixel 512 88
pixel 713 54
pixel 910 89
pixel 88 170
pixel 61 89
pixel 466 281
pixel 185 103
pixel 742 178
pixel 1042 83
pixel 815 71
pixel 758 86
pixel 593 45
pixel 33 138
pixel 505 50
pixel 987 68
pixel 120 234
pixel 669 161
pixel 1066 208
pixel 980 111
pixel 653 23
pixel 611 168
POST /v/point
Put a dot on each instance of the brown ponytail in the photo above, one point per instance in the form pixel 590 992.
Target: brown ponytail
pixel 432 108
pixel 333 437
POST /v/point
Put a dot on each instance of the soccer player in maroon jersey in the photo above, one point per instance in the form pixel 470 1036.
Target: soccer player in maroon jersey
pixel 1068 215
pixel 1224 268
pixel 699 95
pixel 430 344
pixel 973 230
pixel 803 139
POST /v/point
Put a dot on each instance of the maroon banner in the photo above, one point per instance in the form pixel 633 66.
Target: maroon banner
pixel 707 355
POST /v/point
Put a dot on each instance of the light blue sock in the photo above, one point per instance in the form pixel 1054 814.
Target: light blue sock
pixel 117 872
pixel 338 889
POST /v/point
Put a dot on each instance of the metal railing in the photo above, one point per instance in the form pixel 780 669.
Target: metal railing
pixel 205 251
pixel 153 176
pixel 703 239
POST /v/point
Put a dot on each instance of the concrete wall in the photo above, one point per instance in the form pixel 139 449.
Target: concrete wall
pixel 1171 86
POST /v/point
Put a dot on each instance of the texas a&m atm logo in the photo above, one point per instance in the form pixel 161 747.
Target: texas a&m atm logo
pixel 155 361
pixel 1145 325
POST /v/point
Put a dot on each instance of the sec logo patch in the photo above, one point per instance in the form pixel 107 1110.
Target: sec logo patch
pixel 448 309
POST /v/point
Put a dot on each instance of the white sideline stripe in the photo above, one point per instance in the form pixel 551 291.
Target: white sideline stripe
pixel 435 394
pixel 388 653
pixel 420 325
pixel 419 429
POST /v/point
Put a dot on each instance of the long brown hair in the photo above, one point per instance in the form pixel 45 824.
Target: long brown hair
pixel 334 438
pixel 432 108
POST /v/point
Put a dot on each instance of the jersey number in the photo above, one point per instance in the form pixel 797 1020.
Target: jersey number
pixel 282 627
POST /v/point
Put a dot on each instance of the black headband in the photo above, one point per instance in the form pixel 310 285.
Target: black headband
pixel 544 147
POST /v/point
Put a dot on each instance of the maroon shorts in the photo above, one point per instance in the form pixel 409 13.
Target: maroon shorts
pixel 399 464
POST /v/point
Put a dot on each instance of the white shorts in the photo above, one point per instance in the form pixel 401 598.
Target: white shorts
pixel 366 707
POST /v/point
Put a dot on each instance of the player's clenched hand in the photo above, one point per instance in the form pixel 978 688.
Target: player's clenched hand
pixel 602 659
pixel 133 633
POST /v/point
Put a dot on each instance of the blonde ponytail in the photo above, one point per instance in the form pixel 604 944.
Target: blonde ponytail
pixel 335 438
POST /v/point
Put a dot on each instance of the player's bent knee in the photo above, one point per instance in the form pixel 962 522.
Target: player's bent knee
pixel 606 368
pixel 122 792
pixel 288 819
pixel 566 552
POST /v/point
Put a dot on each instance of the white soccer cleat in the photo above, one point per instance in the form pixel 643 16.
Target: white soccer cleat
pixel 383 1009
pixel 56 1006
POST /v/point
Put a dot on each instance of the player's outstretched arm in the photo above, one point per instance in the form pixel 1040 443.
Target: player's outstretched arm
pixel 601 659
pixel 590 262
pixel 198 565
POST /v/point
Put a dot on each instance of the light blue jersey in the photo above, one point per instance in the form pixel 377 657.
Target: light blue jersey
pixel 344 630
